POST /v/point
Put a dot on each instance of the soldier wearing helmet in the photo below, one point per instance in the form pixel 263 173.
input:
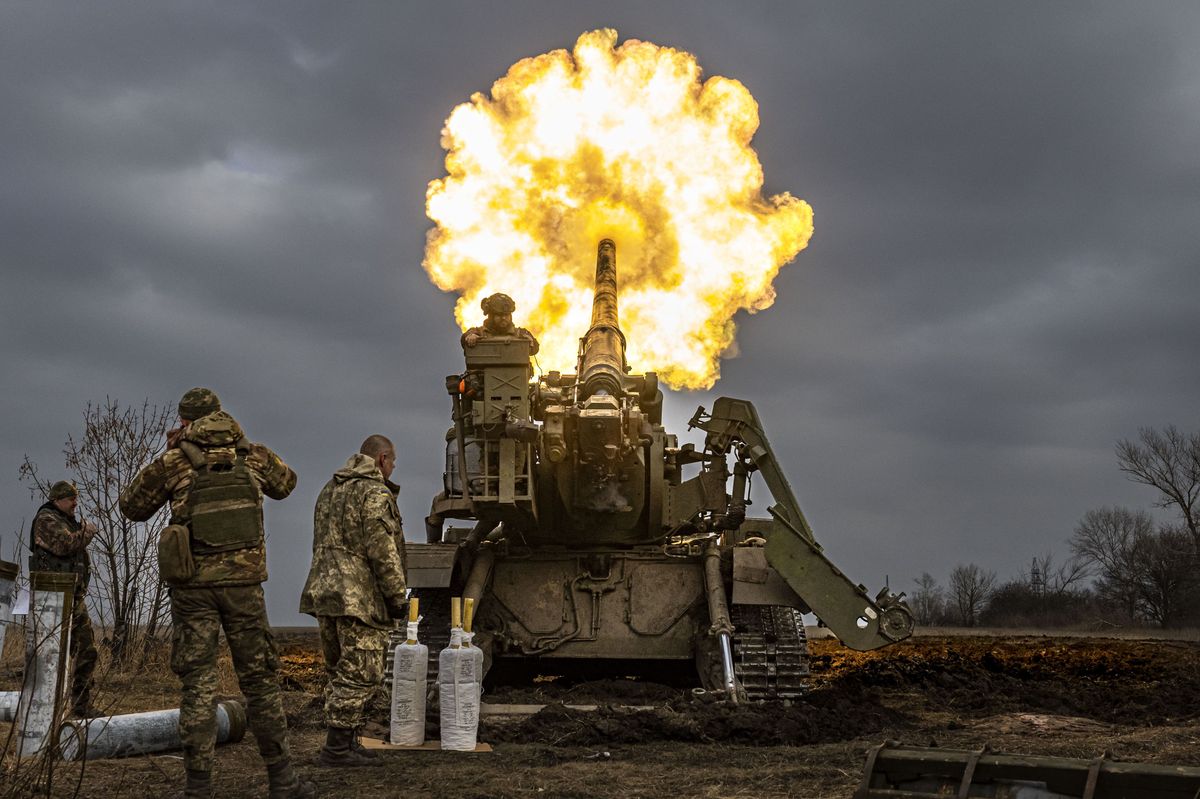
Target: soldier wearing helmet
pixel 498 310
pixel 214 479
pixel 58 542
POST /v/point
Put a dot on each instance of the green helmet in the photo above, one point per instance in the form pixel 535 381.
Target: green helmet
pixel 62 490
pixel 498 303
pixel 198 402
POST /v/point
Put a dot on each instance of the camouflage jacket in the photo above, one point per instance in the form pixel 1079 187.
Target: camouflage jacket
pixel 59 544
pixel 358 547
pixel 168 477
pixel 517 332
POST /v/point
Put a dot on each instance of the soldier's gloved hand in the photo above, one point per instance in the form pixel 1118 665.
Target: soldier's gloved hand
pixel 471 339
pixel 397 608
pixel 89 528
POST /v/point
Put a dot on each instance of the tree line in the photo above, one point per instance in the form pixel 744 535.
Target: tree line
pixel 1124 568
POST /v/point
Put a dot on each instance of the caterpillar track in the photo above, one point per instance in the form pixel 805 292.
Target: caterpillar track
pixel 770 651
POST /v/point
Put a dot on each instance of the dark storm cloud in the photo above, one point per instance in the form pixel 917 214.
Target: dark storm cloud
pixel 1002 281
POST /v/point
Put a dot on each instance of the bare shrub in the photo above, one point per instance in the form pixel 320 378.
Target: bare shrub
pixel 970 589
pixel 928 601
pixel 126 593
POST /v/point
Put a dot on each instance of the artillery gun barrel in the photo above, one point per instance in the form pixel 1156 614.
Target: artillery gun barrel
pixel 602 356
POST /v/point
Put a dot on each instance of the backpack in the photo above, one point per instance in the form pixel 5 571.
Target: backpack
pixel 224 504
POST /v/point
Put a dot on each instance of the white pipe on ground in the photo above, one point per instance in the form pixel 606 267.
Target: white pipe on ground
pixel 140 733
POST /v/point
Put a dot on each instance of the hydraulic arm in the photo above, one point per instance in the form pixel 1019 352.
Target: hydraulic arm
pixel 792 550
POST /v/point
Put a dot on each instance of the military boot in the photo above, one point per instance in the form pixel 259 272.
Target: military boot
pixel 85 711
pixel 285 783
pixel 82 707
pixel 339 751
pixel 199 785
pixel 356 745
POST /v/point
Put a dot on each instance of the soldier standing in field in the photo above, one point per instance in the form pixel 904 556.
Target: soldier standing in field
pixel 214 479
pixel 355 588
pixel 58 542
pixel 498 310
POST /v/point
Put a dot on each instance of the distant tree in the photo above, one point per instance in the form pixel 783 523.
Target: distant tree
pixel 927 601
pixel 1165 574
pixel 1014 604
pixel 1060 580
pixel 1147 573
pixel 1104 540
pixel 1048 595
pixel 1169 461
pixel 970 589
pixel 126 592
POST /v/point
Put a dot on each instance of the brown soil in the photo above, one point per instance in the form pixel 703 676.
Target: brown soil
pixel 1067 696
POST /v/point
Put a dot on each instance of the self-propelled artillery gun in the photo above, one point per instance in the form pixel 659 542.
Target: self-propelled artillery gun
pixel 594 535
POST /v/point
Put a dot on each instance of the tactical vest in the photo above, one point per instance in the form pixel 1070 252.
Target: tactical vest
pixel 43 560
pixel 224 504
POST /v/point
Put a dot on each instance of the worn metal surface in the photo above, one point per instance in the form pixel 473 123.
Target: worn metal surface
pixel 430 565
pixel 756 582
pixel 595 604
pixel 895 770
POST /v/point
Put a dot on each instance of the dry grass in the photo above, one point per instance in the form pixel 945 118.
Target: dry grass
pixel 937 688
pixel 148 685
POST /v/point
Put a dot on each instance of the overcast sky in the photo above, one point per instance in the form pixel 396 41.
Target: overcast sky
pixel 1002 282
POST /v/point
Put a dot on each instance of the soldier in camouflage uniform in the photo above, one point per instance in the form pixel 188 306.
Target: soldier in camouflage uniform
pixel 224 590
pixel 58 543
pixel 355 588
pixel 498 310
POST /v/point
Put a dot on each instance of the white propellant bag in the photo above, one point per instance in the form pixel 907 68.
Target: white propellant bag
pixel 477 653
pixel 410 668
pixel 458 692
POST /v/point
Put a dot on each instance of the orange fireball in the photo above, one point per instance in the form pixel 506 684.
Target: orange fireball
pixel 625 142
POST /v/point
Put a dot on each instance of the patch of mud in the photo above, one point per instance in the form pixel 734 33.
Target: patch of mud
pixel 1038 683
pixel 1115 682
pixel 590 692
pixel 822 717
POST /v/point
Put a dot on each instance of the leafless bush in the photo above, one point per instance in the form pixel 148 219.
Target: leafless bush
pixel 1147 573
pixel 970 589
pixel 928 601
pixel 126 593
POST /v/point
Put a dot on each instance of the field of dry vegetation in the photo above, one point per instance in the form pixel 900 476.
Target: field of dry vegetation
pixel 1068 695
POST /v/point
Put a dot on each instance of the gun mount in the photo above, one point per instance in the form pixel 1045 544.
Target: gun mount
pixel 589 539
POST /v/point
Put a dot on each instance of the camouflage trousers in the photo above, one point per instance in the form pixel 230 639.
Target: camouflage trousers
pixel 83 652
pixel 354 654
pixel 199 615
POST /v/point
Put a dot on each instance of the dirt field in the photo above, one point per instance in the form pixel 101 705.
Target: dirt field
pixel 1060 695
